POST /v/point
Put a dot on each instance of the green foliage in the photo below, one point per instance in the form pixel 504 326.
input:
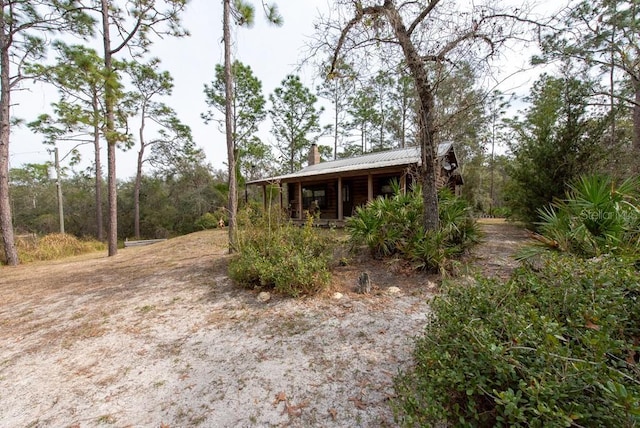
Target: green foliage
pixel 552 347
pixel 478 135
pixel 558 140
pixel 336 89
pixel 295 121
pixel 393 226
pixel 248 111
pixel 212 220
pixel 171 204
pixel 402 103
pixel 275 254
pixel 244 13
pixel 171 201
pixel 80 78
pixel 362 109
pixel 596 217
pixel 603 50
pixel 207 221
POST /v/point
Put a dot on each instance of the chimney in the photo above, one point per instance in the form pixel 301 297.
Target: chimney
pixel 314 155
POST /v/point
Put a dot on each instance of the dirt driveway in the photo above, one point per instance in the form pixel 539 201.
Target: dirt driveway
pixel 158 336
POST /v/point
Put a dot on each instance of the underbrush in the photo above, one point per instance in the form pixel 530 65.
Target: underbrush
pixel 54 246
pixel 393 226
pixel 557 345
pixel 274 254
pixel 597 216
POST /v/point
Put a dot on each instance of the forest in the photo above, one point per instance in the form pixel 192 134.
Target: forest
pixel 579 117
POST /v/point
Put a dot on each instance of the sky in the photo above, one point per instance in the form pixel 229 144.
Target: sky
pixel 272 52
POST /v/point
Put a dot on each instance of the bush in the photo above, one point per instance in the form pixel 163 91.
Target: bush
pixel 393 226
pixel 207 221
pixel 54 246
pixel 596 217
pixel 274 254
pixel 557 347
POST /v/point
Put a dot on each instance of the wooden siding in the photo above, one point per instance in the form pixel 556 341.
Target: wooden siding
pixel 355 188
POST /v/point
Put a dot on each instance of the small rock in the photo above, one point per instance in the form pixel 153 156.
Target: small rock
pixel 337 296
pixel 364 283
pixel 393 290
pixel 264 297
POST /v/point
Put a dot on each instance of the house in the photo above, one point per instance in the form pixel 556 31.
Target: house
pixel 332 190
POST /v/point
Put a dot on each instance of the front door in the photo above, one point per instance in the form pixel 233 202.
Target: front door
pixel 347 201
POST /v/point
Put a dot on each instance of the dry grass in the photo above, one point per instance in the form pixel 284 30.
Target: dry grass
pixel 53 247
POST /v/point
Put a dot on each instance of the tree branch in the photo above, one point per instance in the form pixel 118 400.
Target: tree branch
pixel 427 10
pixel 360 13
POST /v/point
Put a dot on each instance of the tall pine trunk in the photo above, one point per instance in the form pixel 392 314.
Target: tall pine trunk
pixel 109 97
pixel 636 124
pixel 6 220
pixel 98 164
pixel 231 152
pixel 138 183
pixel 336 122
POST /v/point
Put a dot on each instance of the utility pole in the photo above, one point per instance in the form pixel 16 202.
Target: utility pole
pixel 59 187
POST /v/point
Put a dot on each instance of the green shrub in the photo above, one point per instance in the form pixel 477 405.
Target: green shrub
pixel 552 347
pixel 207 221
pixel 275 254
pixel 596 217
pixel 393 226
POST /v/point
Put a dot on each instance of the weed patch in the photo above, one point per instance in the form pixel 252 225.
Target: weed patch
pixel 274 254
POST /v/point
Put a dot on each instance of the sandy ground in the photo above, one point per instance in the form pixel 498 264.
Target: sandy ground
pixel 501 240
pixel 158 336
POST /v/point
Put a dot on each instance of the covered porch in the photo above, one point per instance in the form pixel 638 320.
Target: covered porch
pixel 331 191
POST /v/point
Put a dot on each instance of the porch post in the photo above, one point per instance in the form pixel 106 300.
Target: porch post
pixel 264 196
pixel 403 183
pixel 299 190
pixel 369 187
pixel 339 198
pixel 280 193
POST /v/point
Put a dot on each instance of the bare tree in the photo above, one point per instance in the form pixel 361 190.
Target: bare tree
pixel 424 32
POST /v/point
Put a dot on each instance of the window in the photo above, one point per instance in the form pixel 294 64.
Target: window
pixel 346 197
pixel 387 184
pixel 314 193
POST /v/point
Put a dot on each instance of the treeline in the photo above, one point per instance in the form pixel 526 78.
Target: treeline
pixel 583 117
pixel 186 199
pixel 371 114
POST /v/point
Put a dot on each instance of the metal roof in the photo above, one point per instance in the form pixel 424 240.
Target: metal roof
pixel 390 158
